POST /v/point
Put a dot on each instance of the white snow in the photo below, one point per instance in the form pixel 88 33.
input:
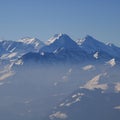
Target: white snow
pixel 42 53
pixel 12 55
pixel 19 62
pixel 94 83
pixel 68 104
pixel 13 49
pixel 74 99
pixel 80 41
pixel 37 44
pixel 81 94
pixel 4 56
pixel 51 40
pixel 96 55
pixel 60 42
pixel 117 107
pixel 74 96
pixel 117 87
pixel 9 55
pixel 91 45
pixel 58 50
pixel 6 75
pixel 112 62
pixel 27 40
pixel 88 67
pixel 34 42
pixel 58 115
pixel 8 47
pixel 62 104
pixel 77 100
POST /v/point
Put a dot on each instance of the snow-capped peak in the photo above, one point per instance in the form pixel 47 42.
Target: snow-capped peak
pixel 62 38
pixel 60 41
pixel 55 37
pixel 14 49
pixel 91 46
pixel 87 39
pixel 32 41
pixel 28 40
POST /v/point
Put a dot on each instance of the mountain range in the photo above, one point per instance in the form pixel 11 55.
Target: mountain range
pixel 61 48
pixel 58 48
pixel 59 79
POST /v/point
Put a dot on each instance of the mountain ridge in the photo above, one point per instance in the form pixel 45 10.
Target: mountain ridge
pixel 62 47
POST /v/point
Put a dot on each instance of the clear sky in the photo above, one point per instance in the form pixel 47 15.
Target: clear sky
pixel 44 18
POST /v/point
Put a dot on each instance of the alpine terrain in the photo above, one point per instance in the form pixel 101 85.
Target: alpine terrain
pixel 60 79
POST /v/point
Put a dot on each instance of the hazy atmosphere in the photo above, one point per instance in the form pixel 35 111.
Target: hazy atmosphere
pixel 59 60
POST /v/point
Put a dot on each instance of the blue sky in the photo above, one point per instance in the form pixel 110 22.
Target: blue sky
pixel 44 18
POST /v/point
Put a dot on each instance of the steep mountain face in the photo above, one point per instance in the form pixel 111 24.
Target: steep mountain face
pixel 36 43
pixel 60 42
pixel 62 48
pixel 11 51
pixel 92 46
pixel 14 49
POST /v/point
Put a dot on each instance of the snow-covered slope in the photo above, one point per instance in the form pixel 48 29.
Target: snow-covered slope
pixel 60 45
pixel 60 48
pixel 36 43
pixel 60 42
pixel 14 49
pixel 11 51
pixel 92 46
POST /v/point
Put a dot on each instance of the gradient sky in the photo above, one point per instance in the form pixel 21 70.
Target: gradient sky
pixel 44 18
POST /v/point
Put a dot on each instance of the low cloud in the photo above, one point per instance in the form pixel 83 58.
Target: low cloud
pixel 6 75
pixel 58 115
